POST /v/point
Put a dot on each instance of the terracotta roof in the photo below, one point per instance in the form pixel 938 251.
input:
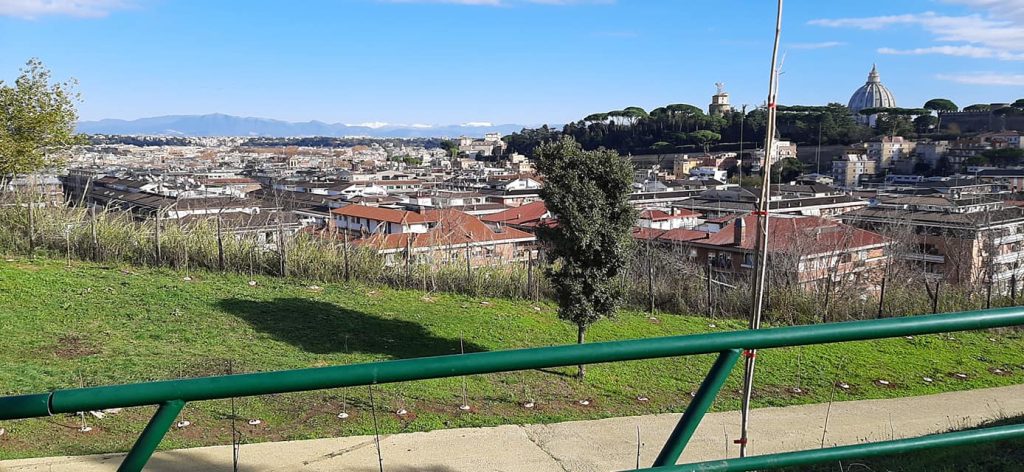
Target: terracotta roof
pixel 671 235
pixel 808 234
pixel 383 214
pixel 723 219
pixel 529 213
pixel 453 228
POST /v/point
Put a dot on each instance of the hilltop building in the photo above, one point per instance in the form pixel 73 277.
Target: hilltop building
pixel 720 102
pixel 870 95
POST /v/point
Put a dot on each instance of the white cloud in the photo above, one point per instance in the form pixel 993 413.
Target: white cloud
pixel 32 9
pixel 504 3
pixel 961 51
pixel 821 45
pixel 984 78
pixel 477 124
pixel 997 32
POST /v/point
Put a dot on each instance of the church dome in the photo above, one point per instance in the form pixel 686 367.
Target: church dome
pixel 871 95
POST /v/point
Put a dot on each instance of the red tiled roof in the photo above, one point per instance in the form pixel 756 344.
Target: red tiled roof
pixel 723 219
pixel 809 234
pixel 383 214
pixel 526 214
pixel 452 227
pixel 672 235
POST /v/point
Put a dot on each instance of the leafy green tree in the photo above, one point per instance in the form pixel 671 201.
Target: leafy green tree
pixel 978 107
pixel 940 105
pixel 451 147
pixel 705 138
pixel 924 123
pixel 1019 104
pixel 1004 157
pixel 36 118
pixel 787 170
pixel 588 192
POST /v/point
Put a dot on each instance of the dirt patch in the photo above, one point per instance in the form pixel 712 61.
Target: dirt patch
pixel 74 346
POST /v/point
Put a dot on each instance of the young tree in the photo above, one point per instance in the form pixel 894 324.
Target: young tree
pixel 35 117
pixel 705 138
pixel 588 192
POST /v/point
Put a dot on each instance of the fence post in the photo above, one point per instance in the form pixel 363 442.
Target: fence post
pixel 711 298
pixel 220 246
pixel 31 224
pixel 95 236
pixel 345 257
pixel 159 253
pixel 529 273
pixel 650 279
pixel 281 248
pixel 469 270
pixel 408 262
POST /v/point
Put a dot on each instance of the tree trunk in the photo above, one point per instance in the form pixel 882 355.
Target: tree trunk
pixel 581 335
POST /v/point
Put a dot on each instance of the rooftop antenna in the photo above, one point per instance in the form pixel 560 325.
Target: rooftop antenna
pixel 761 248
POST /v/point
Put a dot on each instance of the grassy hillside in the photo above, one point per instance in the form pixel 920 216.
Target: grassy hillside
pixel 90 325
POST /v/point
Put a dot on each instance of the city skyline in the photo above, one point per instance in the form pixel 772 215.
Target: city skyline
pixel 432 62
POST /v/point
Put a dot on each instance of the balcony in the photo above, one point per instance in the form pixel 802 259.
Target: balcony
pixel 934 258
pixel 1009 239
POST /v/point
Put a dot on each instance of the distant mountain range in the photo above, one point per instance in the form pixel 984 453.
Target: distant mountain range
pixel 227 125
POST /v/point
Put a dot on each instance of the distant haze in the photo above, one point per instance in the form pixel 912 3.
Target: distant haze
pixel 228 125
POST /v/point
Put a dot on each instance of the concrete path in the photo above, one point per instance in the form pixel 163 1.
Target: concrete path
pixel 599 445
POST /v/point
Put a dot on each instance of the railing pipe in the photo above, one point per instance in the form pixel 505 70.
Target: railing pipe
pixel 857 451
pixel 695 411
pixel 151 436
pixel 212 388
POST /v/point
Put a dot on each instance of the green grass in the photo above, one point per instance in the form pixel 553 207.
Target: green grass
pixel 1003 456
pixel 91 325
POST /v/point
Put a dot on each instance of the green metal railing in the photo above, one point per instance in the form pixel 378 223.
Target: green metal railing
pixel 171 395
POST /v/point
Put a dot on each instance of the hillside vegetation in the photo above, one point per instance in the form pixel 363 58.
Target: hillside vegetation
pixel 90 324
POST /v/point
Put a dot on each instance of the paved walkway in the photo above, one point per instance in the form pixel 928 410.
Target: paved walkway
pixel 599 445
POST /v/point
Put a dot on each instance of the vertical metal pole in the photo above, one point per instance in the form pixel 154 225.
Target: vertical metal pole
pixel 761 251
pixel 698 407
pixel 151 436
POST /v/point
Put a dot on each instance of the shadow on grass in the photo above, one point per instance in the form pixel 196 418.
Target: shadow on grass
pixel 325 328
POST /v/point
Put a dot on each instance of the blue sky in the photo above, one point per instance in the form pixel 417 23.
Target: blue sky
pixel 503 61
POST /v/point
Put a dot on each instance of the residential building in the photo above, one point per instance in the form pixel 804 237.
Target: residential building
pixel 848 169
pixel 805 250
pixel 887 150
pixel 962 240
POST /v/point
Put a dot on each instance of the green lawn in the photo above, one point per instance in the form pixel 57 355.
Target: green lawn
pixel 92 325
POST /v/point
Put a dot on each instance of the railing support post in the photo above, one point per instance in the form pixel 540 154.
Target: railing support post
pixel 702 401
pixel 151 436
